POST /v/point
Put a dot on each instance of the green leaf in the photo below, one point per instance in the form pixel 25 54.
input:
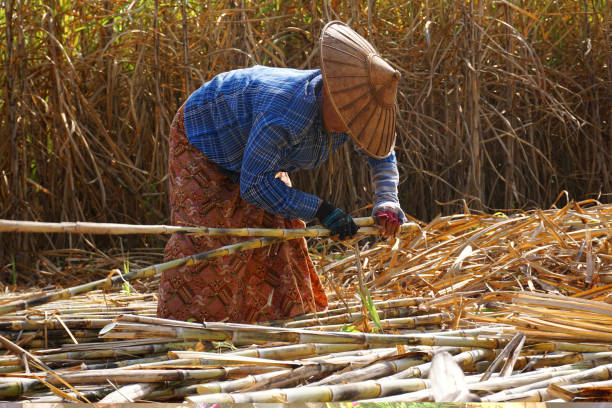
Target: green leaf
pixel 126 285
pixel 369 304
pixel 220 345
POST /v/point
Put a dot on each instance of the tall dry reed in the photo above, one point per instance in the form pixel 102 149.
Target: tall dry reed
pixel 503 104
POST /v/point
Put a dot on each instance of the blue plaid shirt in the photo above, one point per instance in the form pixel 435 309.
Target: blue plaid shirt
pixel 257 121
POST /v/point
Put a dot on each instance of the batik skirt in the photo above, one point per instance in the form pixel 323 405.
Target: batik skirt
pixel 274 282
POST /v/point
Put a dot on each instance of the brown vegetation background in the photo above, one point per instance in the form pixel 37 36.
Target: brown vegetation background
pixel 504 103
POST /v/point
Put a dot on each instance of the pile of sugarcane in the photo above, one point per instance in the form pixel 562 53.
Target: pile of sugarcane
pixel 504 307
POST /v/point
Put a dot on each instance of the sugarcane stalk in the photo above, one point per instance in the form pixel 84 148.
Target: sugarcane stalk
pixel 603 372
pixel 154 270
pixel 344 392
pixel 358 360
pixel 372 360
pixel 436 319
pixel 270 379
pixel 52 334
pixel 230 359
pixel 129 376
pixel 378 370
pixel 571 347
pixel 561 302
pixel 501 383
pixel 597 389
pixel 338 357
pixel 116 353
pixel 582 365
pixel 215 387
pixel 463 359
pixel 473 384
pixel 21 325
pixel 91 395
pixel 174 391
pixel 261 335
pixel 17 367
pixel 80 227
pixel 175 363
pixel 113 345
pixel 550 360
pixel 79 320
pixel 15 349
pixel 591 337
pixel 295 351
pixel 75 307
pixel 52 342
pixel 416 396
pixel 380 305
pixel 159 359
pixel 296 376
pixel 186 358
pixel 240 334
pixel 547 394
pixel 366 225
pixel 14 387
pixel 130 393
pixel 352 317
pixel 12 369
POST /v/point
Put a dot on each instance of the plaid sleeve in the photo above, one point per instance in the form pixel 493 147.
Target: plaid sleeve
pixel 385 179
pixel 263 154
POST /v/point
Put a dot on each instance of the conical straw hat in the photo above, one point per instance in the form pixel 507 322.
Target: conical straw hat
pixel 362 88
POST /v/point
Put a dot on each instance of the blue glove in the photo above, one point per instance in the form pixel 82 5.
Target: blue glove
pixel 336 220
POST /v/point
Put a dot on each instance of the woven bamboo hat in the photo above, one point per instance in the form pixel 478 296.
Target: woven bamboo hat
pixel 362 87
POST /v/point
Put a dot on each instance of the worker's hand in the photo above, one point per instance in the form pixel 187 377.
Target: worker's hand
pixel 390 217
pixel 336 220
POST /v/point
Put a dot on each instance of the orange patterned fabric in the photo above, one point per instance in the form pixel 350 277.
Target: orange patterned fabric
pixel 274 282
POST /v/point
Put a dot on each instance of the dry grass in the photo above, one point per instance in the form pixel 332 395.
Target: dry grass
pixel 520 300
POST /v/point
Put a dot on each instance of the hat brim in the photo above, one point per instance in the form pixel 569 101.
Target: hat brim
pixel 346 60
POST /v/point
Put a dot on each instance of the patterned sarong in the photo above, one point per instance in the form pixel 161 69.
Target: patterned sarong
pixel 274 282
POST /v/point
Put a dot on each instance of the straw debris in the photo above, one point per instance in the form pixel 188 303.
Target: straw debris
pixel 518 305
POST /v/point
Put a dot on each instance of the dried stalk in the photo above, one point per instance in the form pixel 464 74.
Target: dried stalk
pixel 366 225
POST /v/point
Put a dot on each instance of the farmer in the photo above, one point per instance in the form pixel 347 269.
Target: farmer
pixel 231 146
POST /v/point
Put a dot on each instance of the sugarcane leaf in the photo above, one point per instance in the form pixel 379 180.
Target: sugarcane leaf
pixel 220 345
pixel 126 270
pixel 369 304
pixel 348 328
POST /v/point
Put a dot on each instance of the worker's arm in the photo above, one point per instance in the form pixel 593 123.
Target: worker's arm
pixel 385 179
pixel 267 145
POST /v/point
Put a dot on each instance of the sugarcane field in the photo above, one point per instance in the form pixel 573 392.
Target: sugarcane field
pixel 330 203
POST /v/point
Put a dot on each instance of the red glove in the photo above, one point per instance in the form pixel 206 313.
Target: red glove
pixel 389 222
